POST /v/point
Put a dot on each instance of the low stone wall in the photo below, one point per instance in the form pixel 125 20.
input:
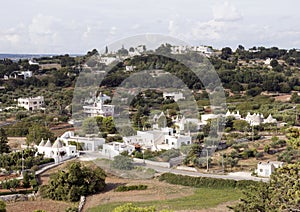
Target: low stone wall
pixel 154 163
pixel 185 168
pixel 17 197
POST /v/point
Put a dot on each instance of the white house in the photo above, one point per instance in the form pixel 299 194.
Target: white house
pixel 115 148
pixel 181 122
pixel 31 103
pixel 203 49
pixel 175 141
pixel 173 95
pixel 31 62
pixel 265 169
pixel 108 60
pixel 26 74
pixel 58 151
pixel 129 68
pixel 99 109
pixel 165 138
pixel 101 96
pixel 254 119
pixel 87 143
pixel 185 49
pixel 19 74
pixel 206 117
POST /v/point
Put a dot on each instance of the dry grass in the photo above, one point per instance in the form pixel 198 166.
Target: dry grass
pixel 30 206
pixel 156 191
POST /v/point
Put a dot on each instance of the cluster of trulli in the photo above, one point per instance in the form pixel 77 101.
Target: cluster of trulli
pixel 58 151
pixel 254 119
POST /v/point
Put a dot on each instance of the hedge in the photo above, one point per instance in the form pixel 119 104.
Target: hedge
pixel 130 188
pixel 205 181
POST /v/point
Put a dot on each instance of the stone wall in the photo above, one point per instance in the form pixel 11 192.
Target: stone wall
pixel 17 197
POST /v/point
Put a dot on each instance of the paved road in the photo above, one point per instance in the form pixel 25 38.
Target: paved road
pixel 232 176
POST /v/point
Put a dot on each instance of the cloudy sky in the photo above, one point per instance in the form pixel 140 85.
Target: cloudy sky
pixel 76 26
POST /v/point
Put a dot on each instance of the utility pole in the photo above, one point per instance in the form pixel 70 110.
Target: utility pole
pixel 206 160
pixel 223 162
pixel 296 118
pixel 143 151
pixel 22 161
pixel 252 133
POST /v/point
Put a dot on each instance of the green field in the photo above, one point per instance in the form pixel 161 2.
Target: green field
pixel 201 199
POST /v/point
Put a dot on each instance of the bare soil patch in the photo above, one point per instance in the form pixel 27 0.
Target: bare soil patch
pixel 29 206
pixel 283 98
pixel 15 142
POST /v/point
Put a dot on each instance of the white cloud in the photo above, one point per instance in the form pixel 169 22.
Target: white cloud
pixel 113 30
pixel 87 32
pixel 69 27
pixel 43 32
pixel 226 12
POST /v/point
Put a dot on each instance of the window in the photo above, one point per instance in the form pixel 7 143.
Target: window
pixel 260 170
pixel 167 141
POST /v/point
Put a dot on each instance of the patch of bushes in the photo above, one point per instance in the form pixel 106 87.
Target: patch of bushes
pixel 131 187
pixel 77 180
pixel 205 182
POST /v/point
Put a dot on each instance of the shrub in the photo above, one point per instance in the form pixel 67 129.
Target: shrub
pixel 259 155
pixel 26 180
pixel 129 207
pixel 130 188
pixel 2 206
pixel 122 162
pixel 71 209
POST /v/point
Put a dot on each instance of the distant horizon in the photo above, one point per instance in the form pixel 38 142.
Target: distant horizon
pixel 102 49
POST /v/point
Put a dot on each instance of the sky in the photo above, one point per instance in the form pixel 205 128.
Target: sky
pixel 77 26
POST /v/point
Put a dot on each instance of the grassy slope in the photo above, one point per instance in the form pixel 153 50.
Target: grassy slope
pixel 202 198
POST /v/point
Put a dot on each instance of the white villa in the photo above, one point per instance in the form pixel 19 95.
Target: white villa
pixel 113 149
pixel 265 169
pixel 31 62
pixel 184 49
pixel 31 103
pixel 173 95
pixel 58 151
pixel 18 74
pixel 206 117
pixel 129 68
pixel 108 60
pixel 87 143
pixel 101 96
pixel 181 122
pixel 99 108
pixel 155 140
